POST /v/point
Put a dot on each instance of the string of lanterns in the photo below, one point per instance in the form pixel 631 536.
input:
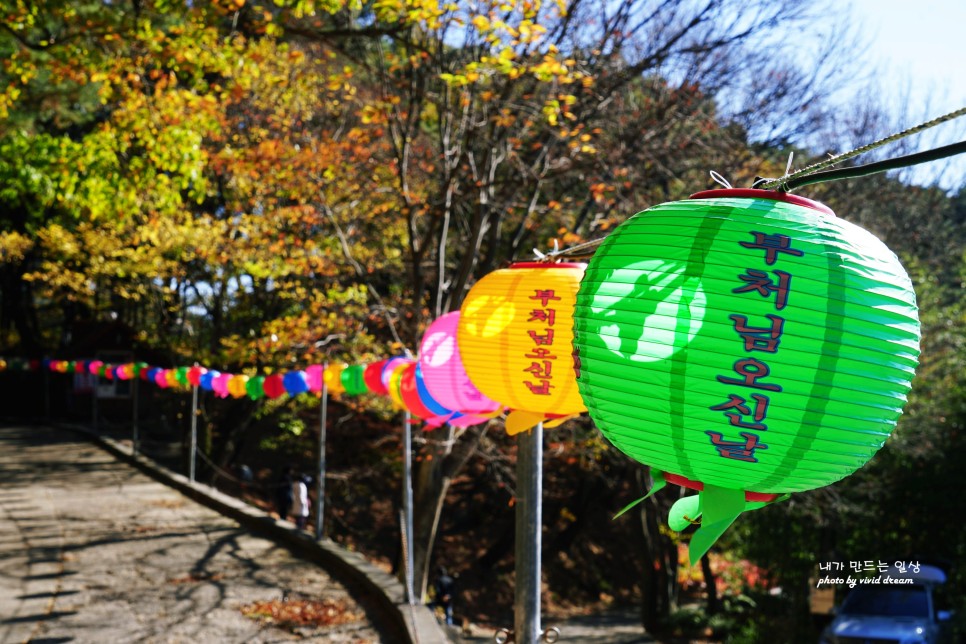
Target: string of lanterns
pixel 746 344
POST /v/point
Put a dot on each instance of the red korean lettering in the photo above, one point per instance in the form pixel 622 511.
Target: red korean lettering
pixel 539 353
pixel 540 369
pixel 752 371
pixel 737 450
pixel 737 408
pixel 538 338
pixel 544 296
pixel 762 283
pixel 541 389
pixel 759 338
pixel 772 245
pixel 548 316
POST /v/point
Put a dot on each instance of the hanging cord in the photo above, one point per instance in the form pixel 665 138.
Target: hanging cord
pixel 817 173
pixel 787 182
pixel 874 168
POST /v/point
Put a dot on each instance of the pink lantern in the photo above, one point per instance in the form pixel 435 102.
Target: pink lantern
pixel 220 384
pixel 313 376
pixel 161 378
pixel 94 366
pixel 444 375
pixel 389 367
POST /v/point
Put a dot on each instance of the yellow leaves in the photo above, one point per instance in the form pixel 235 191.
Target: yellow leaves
pixel 551 110
pixel 482 23
pixel 14 247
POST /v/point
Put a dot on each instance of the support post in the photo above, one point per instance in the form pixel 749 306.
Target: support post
pixel 528 537
pixel 46 369
pixel 194 434
pixel 408 504
pixel 96 381
pixel 320 472
pixel 135 439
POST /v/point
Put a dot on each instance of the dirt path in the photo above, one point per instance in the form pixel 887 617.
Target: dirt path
pixel 93 551
pixel 618 627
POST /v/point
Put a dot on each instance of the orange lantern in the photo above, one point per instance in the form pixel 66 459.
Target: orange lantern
pixel 238 386
pixel 515 337
pixel 332 376
pixel 395 383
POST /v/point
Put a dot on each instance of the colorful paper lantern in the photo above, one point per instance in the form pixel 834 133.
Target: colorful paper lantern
pixel 295 383
pixel 255 387
pixel 274 386
pixel 194 375
pixel 172 377
pixel 207 380
pixel 515 337
pixel 389 367
pixel 746 343
pixel 313 377
pixel 332 376
pixel 161 378
pixel 409 393
pixel 220 384
pixel 444 375
pixel 353 380
pixel 238 385
pixel 373 378
pixel 438 411
pixel 94 367
pixel 395 383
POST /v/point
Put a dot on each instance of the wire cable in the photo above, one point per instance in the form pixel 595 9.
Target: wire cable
pixel 781 183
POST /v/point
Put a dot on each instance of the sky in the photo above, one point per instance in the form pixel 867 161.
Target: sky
pixel 920 45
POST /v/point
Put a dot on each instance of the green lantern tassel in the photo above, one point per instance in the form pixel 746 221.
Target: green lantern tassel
pixel 717 508
pixel 659 484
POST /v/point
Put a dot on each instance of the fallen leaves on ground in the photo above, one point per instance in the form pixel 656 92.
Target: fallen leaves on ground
pixel 293 613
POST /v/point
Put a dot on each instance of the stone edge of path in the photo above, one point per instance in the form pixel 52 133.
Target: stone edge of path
pixel 416 623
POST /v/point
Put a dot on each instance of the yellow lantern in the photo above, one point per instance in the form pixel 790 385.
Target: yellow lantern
pixel 395 384
pixel 515 337
pixel 171 377
pixel 238 386
pixel 332 376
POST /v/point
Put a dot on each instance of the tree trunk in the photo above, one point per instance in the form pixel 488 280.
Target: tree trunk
pixel 714 602
pixel 443 457
pixel 660 557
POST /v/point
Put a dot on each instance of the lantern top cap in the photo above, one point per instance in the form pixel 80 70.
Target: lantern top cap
pixel 548 265
pixel 754 193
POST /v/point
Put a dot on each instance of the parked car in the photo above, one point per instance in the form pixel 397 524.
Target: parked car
pixel 898 607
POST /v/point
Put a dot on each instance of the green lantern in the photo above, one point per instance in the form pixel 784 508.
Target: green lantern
pixel 353 380
pixel 255 387
pixel 747 344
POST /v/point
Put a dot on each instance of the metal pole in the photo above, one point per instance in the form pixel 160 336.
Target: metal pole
pixel 96 381
pixel 194 434
pixel 320 474
pixel 46 371
pixel 526 606
pixel 134 413
pixel 408 504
